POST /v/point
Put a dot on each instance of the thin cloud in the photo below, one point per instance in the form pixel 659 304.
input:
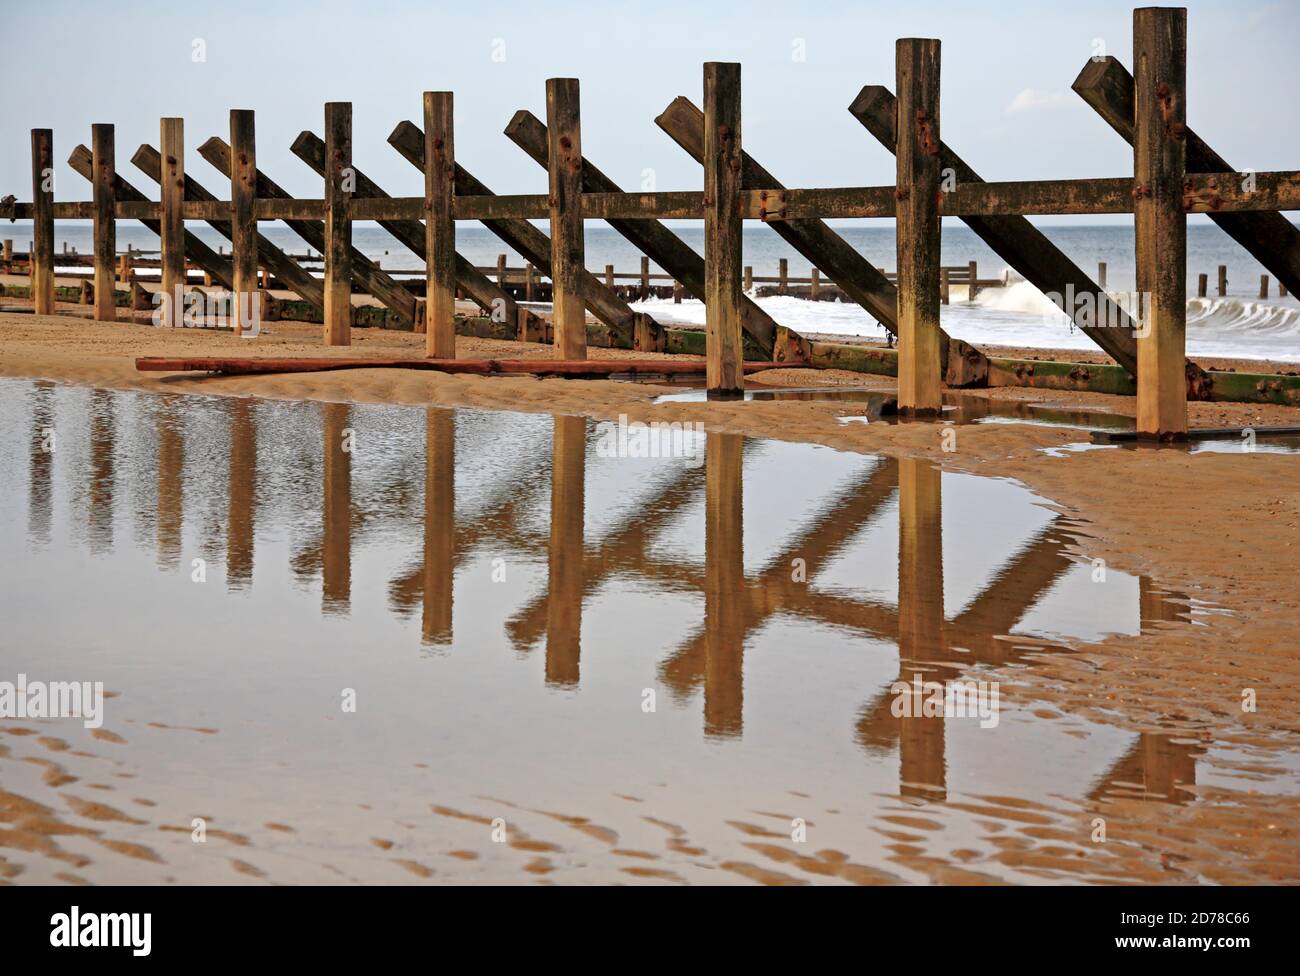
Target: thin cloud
pixel 1032 100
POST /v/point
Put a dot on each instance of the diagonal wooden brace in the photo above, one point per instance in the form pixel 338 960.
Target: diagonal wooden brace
pixel 662 246
pixel 530 242
pixel 964 365
pixel 365 272
pixel 209 260
pixel 489 296
pixel 284 268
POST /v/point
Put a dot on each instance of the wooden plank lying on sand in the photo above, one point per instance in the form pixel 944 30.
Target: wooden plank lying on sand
pixel 572 368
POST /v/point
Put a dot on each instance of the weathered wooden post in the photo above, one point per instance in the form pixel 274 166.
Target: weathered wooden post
pixel 944 291
pixel 172 194
pixel 1263 286
pixel 609 276
pixel 40 255
pixel 973 272
pixel 104 168
pixel 677 292
pixel 501 271
pixel 564 149
pixel 1223 280
pixel 339 184
pixel 748 285
pixel 243 224
pixel 645 277
pixel 1160 225
pixel 530 279
pixel 440 227
pixel 814 284
pixel 783 277
pixel 917 68
pixel 8 252
pixel 1101 274
pixel 723 246
pixel 1202 285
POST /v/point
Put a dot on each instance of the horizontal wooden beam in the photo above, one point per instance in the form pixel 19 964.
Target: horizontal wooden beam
pixel 1207 193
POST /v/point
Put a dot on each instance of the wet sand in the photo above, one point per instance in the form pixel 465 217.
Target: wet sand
pixel 1222 528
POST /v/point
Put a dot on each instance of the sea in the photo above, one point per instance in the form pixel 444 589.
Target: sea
pixel 1239 324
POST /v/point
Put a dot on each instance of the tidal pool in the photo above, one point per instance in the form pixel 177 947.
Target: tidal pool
pixel 346 643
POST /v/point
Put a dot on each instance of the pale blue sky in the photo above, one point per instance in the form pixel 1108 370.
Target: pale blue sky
pixel 1007 69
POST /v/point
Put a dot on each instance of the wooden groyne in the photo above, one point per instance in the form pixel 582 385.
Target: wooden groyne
pixel 1175 173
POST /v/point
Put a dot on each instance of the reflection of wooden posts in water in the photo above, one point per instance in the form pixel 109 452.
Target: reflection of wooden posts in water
pixel 439 525
pixel 920 620
pixel 724 586
pixel 1156 604
pixel 40 494
pixel 171 497
pixel 566 555
pixel 336 512
pixel 100 515
pixel 1155 767
pixel 242 498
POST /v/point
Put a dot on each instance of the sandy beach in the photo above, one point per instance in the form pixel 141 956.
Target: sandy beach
pixel 1222 529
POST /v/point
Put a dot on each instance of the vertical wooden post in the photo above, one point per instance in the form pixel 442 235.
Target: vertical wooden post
pixel 677 292
pixel 1263 286
pixel 8 252
pixel 172 194
pixel 1160 225
pixel 1202 285
pixel 973 273
pixel 1223 280
pixel 103 169
pixel 723 247
pixel 609 276
pixel 40 255
pixel 439 227
pixel 783 277
pixel 1101 275
pixel 815 284
pixel 748 284
pixel 645 277
pixel 919 377
pixel 530 279
pixel 501 271
pixel 340 182
pixel 243 225
pixel 564 157
pixel 944 288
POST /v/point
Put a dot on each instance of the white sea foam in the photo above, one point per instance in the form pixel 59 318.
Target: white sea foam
pixel 1020 315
